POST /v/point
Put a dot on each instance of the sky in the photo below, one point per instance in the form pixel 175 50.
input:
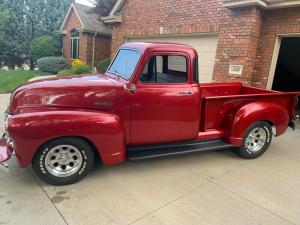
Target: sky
pixel 85 2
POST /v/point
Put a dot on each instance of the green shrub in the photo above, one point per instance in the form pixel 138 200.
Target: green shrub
pixel 52 64
pixel 66 72
pixel 44 46
pixel 76 69
pixel 103 65
pixel 82 69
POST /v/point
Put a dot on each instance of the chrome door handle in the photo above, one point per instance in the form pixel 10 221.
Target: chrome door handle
pixel 185 93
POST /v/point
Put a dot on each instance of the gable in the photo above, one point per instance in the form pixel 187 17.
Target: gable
pixel 81 17
pixel 70 19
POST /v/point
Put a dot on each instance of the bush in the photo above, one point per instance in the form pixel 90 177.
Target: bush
pixel 77 69
pixel 103 65
pixel 52 64
pixel 66 72
pixel 82 69
pixel 44 46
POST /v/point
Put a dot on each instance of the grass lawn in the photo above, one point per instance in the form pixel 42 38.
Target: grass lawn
pixel 9 80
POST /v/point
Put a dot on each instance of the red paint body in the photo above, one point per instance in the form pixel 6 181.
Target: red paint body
pixel 102 110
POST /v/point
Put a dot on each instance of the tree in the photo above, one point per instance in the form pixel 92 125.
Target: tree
pixel 12 33
pixel 103 7
pixel 43 17
pixel 42 47
pixel 21 21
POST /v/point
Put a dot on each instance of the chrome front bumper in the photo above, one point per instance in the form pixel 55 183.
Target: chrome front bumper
pixel 6 151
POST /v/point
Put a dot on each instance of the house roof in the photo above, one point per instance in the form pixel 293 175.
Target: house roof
pixel 89 21
pixel 266 4
pixel 115 16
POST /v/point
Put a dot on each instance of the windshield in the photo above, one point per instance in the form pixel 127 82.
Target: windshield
pixel 125 63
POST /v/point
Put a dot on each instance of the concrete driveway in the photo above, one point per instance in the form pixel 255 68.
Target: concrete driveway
pixel 208 188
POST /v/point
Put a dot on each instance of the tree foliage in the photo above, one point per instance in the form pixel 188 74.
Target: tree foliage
pixel 42 47
pixel 12 33
pixel 103 7
pixel 21 21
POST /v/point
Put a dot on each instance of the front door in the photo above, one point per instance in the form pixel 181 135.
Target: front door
pixel 164 106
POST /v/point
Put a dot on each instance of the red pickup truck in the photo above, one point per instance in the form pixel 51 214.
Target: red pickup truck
pixel 148 104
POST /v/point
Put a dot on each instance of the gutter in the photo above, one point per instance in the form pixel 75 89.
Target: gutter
pixel 93 61
pixel 261 3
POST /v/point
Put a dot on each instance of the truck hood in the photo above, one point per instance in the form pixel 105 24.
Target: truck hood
pixel 81 92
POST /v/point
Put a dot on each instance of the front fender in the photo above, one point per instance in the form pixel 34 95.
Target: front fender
pixel 241 117
pixel 30 130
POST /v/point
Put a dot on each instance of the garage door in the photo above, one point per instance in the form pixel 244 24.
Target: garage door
pixel 206 46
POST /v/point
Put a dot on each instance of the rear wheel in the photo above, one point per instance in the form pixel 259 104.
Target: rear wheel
pixel 256 141
pixel 63 161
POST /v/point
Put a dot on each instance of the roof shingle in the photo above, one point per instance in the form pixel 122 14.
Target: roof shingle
pixel 90 21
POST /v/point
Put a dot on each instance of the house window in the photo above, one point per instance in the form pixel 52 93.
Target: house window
pixel 74 44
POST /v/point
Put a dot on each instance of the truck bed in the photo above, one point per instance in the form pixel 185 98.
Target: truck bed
pixel 220 98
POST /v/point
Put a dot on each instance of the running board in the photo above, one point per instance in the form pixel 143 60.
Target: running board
pixel 179 148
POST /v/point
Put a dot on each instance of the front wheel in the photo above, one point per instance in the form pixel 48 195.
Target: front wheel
pixel 256 141
pixel 63 161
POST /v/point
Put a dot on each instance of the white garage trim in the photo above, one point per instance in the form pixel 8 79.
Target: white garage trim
pixel 204 43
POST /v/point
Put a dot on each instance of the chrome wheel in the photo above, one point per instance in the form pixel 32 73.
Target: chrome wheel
pixel 63 160
pixel 256 139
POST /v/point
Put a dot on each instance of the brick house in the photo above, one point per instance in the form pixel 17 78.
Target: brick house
pixel 85 37
pixel 256 42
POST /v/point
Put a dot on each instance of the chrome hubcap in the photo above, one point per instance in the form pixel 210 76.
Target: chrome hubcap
pixel 63 160
pixel 256 139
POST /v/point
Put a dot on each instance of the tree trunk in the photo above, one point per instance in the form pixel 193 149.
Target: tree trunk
pixel 31 64
pixel 32 37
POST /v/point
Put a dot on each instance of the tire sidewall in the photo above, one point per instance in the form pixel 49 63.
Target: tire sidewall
pixel 87 161
pixel 245 152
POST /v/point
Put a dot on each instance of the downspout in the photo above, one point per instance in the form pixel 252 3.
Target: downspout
pixel 93 62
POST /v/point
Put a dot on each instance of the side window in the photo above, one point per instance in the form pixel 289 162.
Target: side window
pixel 74 44
pixel 165 69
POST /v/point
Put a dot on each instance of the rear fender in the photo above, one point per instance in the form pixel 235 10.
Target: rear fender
pixel 241 117
pixel 31 130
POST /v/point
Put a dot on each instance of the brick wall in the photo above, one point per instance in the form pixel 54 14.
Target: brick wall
pixel 281 21
pixel 238 40
pixel 102 43
pixel 246 35
pixel 238 29
pixel 102 48
pixel 73 23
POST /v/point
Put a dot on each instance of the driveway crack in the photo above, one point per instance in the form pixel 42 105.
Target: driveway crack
pixel 38 182
pixel 170 202
pixel 254 203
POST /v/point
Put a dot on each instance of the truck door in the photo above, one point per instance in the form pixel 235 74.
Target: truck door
pixel 164 106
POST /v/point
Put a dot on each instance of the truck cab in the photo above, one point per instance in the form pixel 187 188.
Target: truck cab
pixel 148 104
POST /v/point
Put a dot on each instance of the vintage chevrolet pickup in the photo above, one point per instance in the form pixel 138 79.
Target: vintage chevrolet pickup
pixel 148 104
